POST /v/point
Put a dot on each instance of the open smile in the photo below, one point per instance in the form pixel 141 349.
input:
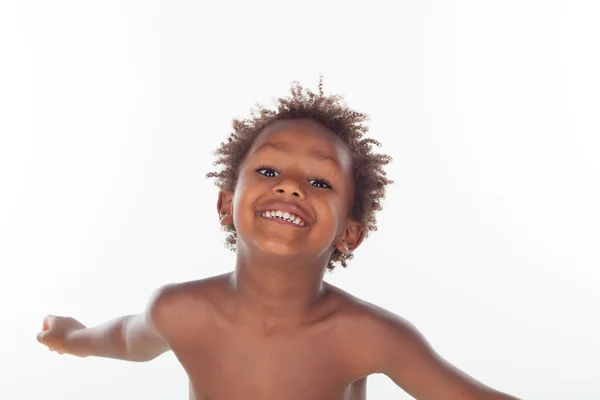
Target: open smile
pixel 282 217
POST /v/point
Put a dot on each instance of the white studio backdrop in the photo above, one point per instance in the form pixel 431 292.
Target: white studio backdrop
pixel 488 241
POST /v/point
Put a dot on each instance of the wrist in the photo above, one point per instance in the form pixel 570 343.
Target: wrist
pixel 77 342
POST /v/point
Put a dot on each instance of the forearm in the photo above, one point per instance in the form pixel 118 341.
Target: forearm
pixel 105 340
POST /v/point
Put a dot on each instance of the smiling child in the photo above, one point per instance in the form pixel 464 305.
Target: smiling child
pixel 299 188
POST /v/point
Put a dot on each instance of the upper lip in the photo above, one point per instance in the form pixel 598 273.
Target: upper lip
pixel 289 207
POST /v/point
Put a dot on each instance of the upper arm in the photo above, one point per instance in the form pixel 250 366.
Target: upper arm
pixel 413 365
pixel 143 333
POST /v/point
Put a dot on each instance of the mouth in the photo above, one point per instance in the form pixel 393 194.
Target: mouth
pixel 283 217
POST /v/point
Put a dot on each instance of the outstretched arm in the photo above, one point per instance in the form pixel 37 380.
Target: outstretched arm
pixel 415 367
pixel 130 337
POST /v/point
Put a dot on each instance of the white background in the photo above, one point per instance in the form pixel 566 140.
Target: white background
pixel 488 243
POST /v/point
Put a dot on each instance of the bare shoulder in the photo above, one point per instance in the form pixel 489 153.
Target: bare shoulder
pixel 366 329
pixel 389 344
pixel 381 324
pixel 369 315
pixel 380 333
pixel 386 331
pixel 175 306
pixel 188 291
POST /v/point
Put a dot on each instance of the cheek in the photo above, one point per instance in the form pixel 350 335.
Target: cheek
pixel 244 198
pixel 243 187
pixel 331 212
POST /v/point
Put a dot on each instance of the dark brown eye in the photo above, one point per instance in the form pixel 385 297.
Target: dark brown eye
pixel 272 173
pixel 268 172
pixel 320 183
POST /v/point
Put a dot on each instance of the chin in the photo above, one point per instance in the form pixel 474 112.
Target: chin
pixel 277 248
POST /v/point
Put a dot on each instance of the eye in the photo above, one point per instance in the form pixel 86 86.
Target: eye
pixel 268 172
pixel 271 173
pixel 320 183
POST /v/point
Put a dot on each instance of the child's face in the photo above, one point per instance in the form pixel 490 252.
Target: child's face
pixel 281 167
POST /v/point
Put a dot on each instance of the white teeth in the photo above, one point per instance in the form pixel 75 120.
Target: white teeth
pixel 286 216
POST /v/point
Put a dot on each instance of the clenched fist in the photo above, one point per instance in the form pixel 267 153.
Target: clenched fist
pixel 57 332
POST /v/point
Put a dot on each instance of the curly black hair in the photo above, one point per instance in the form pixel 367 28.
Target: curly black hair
pixel 331 111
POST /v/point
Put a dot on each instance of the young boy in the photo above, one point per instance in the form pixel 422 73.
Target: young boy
pixel 298 193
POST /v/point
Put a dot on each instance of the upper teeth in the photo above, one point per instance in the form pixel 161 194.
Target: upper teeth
pixel 284 215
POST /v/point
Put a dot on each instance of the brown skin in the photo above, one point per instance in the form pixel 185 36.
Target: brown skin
pixel 272 329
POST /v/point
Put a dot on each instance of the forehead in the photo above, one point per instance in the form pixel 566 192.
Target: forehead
pixel 304 135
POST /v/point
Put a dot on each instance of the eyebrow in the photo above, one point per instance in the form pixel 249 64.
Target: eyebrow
pixel 287 148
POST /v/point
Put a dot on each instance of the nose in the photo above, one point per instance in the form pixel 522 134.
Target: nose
pixel 290 187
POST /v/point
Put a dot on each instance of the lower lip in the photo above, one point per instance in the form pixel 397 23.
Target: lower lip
pixel 282 221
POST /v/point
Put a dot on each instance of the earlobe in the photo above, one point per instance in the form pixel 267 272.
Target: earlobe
pixel 225 207
pixel 352 238
pixel 345 247
pixel 224 214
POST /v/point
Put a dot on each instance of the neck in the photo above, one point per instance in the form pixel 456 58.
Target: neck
pixel 276 291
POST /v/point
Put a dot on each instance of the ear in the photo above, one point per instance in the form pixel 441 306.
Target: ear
pixel 225 207
pixel 351 238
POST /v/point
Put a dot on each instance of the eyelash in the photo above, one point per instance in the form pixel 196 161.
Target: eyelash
pixel 264 167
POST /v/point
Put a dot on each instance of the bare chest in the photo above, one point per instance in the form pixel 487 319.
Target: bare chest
pixel 230 365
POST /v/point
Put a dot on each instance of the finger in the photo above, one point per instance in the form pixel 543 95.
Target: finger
pixel 48 319
pixel 40 337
